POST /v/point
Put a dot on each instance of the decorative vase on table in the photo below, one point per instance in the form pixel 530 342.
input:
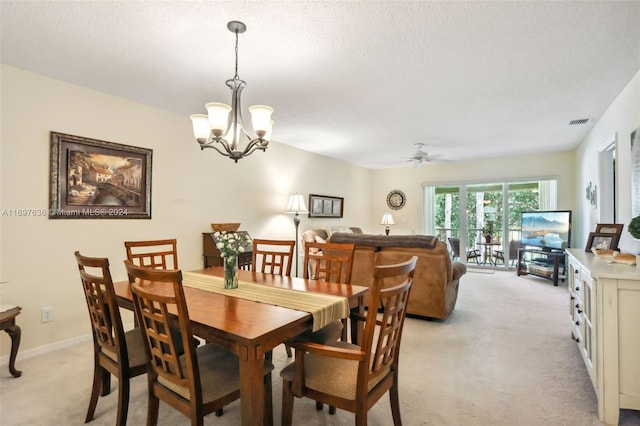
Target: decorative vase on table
pixel 230 245
pixel 231 272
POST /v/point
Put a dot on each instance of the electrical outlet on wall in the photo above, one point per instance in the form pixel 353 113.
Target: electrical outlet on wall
pixel 47 314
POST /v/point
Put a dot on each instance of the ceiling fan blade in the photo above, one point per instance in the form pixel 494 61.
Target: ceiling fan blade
pixel 420 157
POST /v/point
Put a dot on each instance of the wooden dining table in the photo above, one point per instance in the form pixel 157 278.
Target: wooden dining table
pixel 250 329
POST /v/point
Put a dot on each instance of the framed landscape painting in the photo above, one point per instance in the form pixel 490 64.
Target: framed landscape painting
pixel 93 179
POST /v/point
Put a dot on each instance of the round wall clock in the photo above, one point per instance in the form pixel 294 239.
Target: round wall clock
pixel 396 199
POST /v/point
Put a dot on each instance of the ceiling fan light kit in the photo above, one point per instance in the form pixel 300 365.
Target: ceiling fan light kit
pixel 420 157
pixel 222 128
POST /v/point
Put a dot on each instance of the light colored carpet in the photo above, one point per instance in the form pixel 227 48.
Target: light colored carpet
pixel 505 357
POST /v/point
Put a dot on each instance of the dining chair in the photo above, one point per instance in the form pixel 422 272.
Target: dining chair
pixel 273 256
pixel 114 351
pixel 454 243
pixel 329 262
pixel 354 377
pixel 156 254
pixel 201 381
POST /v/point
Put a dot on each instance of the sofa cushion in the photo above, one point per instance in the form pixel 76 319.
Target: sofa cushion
pixel 414 241
pixel 310 235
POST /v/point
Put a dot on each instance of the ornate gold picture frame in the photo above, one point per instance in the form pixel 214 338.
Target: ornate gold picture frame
pixel 93 179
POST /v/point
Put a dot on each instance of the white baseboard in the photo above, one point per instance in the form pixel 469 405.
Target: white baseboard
pixel 40 350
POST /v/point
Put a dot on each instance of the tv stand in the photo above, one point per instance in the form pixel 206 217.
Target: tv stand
pixel 542 263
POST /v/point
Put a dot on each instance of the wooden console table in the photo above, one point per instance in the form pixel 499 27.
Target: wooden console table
pixel 8 324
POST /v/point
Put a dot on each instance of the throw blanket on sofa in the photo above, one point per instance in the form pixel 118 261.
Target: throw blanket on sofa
pixel 420 241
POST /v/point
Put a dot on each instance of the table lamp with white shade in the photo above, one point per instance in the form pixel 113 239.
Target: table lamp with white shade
pixel 387 220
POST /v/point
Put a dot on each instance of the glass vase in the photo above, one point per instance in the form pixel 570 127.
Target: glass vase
pixel 231 272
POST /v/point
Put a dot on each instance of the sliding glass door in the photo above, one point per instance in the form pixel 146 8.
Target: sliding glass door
pixel 480 220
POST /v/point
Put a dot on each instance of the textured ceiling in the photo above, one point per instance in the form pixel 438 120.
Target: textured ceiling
pixel 357 81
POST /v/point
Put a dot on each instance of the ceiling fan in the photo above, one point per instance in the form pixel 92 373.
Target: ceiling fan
pixel 420 157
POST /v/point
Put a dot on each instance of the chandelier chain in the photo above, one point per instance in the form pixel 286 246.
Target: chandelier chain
pixel 236 76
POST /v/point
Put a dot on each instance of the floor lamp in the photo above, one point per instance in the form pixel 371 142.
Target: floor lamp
pixel 296 205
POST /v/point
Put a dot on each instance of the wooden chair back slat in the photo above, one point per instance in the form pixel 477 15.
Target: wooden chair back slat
pixel 328 261
pixel 101 301
pixel 112 354
pixel 381 339
pixel 272 256
pixel 153 309
pixel 155 254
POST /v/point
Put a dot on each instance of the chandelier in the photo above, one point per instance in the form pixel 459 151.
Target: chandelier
pixel 222 128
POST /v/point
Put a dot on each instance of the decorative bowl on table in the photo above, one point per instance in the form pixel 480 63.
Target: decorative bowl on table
pixel 225 227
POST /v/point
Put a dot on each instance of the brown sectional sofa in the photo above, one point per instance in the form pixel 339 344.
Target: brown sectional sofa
pixel 436 279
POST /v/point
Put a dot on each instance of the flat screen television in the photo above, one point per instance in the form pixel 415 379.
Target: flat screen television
pixel 547 229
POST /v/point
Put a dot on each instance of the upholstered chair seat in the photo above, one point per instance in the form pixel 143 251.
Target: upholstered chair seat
pixel 327 334
pixel 135 349
pixel 334 376
pixel 219 373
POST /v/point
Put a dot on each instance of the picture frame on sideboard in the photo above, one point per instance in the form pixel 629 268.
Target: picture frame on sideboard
pixel 611 228
pixel 601 241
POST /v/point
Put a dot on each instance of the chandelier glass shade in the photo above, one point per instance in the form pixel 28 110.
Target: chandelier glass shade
pixel 223 129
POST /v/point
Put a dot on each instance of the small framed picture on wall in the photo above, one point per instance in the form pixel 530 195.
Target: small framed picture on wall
pixel 325 206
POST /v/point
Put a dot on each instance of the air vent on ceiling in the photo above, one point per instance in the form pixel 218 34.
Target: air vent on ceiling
pixel 580 121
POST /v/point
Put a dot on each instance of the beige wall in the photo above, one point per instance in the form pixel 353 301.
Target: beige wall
pixel 190 189
pixel 621 118
pixel 410 180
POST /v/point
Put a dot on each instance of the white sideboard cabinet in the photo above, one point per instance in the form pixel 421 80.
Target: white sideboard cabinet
pixel 604 311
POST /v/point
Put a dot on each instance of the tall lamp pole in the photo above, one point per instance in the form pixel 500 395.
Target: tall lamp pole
pixel 296 206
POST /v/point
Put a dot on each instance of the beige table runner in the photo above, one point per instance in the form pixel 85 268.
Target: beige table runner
pixel 324 308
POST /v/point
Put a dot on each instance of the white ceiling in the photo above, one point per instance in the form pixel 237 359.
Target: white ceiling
pixel 360 81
